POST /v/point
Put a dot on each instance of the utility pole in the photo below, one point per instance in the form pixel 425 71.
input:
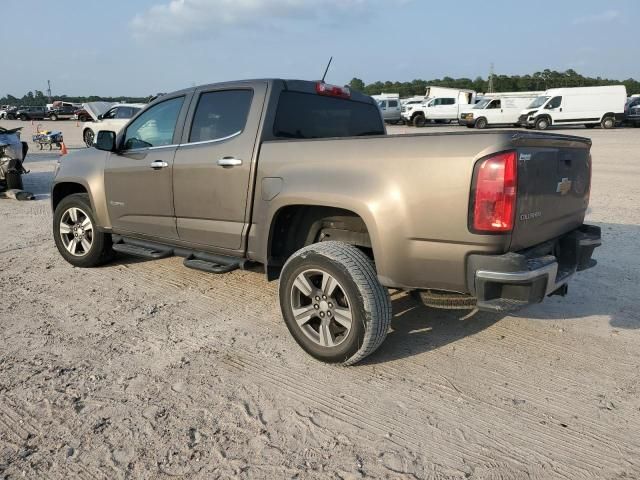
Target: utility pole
pixel 491 86
pixel 49 90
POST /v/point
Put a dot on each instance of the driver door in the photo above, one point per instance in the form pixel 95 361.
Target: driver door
pixel 138 178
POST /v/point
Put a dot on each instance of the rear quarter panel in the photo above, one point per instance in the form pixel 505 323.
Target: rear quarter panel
pixel 412 191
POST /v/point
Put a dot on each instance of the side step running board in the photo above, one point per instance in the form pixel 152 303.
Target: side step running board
pixel 139 251
pixel 211 267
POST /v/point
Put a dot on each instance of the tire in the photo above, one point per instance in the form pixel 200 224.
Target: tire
pixel 542 123
pixel 83 118
pixel 14 181
pixel 356 293
pixel 53 117
pixel 88 136
pixel 99 249
pixel 608 123
pixel 23 118
pixel 481 123
pixel 419 121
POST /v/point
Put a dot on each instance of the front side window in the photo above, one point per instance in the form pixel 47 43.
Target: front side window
pixel 125 112
pixel 110 114
pixel 555 102
pixel 495 104
pixel 538 102
pixel 449 101
pixel 220 114
pixel 155 127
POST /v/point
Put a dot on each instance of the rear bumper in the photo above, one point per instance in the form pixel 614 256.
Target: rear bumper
pixel 514 280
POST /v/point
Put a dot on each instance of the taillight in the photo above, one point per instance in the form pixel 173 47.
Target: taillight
pixel 494 193
pixel 332 90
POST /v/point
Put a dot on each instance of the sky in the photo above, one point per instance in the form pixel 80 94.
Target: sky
pixel 142 47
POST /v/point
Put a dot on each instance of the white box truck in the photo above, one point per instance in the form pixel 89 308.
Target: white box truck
pixel 442 106
pixel 497 109
pixel 588 106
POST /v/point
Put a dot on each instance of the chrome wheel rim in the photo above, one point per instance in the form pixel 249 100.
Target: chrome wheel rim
pixel 76 231
pixel 321 308
pixel 88 138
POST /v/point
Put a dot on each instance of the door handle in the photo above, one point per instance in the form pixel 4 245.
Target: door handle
pixel 158 164
pixel 229 162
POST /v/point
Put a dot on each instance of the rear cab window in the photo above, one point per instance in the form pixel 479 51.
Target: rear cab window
pixel 220 114
pixel 308 115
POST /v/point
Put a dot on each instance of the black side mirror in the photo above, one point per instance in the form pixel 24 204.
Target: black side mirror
pixel 100 117
pixel 106 141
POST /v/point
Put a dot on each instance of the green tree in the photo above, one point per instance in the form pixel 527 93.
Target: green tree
pixel 356 84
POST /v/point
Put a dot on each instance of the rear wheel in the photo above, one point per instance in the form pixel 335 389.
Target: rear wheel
pixel 542 124
pixel 333 304
pixel 608 122
pixel 53 117
pixel 481 123
pixel 83 118
pixel 88 137
pixel 23 118
pixel 419 121
pixel 14 181
pixel 76 233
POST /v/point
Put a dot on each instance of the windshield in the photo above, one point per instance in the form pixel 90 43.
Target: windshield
pixel 481 104
pixel 538 102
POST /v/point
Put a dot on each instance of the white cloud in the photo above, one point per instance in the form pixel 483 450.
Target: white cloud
pixel 603 17
pixel 183 17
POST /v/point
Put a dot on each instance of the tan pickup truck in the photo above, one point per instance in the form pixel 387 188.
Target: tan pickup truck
pixel 300 178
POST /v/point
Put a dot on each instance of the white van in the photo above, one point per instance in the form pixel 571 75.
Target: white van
pixel 442 109
pixel 389 104
pixel 588 106
pixel 497 109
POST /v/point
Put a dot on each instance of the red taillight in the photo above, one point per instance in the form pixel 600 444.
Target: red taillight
pixel 495 193
pixel 332 90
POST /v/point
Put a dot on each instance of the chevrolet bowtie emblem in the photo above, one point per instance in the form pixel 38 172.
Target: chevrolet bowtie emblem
pixel 564 186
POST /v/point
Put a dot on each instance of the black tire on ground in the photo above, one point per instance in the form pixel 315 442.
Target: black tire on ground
pixel 358 288
pixel 608 122
pixel 23 118
pixel 14 180
pixel 100 251
pixel 88 136
pixel 542 123
pixel 481 123
pixel 419 121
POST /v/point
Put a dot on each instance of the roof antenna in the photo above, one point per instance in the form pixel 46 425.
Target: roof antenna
pixel 326 69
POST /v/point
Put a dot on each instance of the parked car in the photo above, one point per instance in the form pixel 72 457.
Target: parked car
pixel 389 104
pixel 301 178
pixel 443 108
pixel 31 113
pixel 82 115
pixel 61 112
pixel 588 106
pixel 632 111
pixel 112 119
pixel 496 109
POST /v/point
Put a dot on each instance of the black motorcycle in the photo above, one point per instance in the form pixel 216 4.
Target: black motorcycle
pixel 12 153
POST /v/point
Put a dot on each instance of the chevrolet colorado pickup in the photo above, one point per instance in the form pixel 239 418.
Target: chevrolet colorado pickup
pixel 301 179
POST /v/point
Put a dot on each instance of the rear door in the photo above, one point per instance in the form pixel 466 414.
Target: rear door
pixel 213 164
pixel 554 178
pixel 138 178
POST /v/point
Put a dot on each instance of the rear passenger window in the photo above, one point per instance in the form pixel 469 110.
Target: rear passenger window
pixel 393 103
pixel 220 114
pixel 448 101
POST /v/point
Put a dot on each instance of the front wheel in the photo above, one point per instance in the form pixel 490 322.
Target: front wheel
pixel 333 304
pixel 88 137
pixel 542 124
pixel 53 117
pixel 419 121
pixel 481 123
pixel 76 233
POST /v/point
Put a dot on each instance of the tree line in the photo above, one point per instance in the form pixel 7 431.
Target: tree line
pixel 38 98
pixel 501 83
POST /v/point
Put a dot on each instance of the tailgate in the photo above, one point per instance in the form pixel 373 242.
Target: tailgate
pixel 554 175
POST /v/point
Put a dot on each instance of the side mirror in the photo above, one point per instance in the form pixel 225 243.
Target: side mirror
pixel 100 117
pixel 106 141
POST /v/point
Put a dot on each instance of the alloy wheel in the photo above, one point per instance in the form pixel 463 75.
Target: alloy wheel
pixel 76 231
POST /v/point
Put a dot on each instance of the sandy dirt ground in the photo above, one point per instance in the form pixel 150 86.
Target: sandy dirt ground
pixel 146 369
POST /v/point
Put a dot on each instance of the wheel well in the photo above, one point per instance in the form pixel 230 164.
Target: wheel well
pixel 63 190
pixel 415 114
pixel 608 114
pixel 546 117
pixel 296 226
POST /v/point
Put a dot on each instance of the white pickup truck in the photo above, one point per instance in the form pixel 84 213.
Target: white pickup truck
pixel 441 109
